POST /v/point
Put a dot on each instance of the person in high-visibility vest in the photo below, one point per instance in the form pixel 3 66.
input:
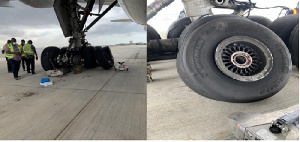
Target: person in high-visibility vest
pixel 3 52
pixel 23 55
pixel 295 10
pixel 13 53
pixel 30 51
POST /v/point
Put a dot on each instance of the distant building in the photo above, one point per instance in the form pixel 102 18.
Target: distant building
pixel 130 42
pixel 140 43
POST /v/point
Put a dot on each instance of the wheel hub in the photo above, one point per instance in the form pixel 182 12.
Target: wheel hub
pixel 243 58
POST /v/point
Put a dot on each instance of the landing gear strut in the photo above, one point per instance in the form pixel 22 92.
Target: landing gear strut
pixel 72 18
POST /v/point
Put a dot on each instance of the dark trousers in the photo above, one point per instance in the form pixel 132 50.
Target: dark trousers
pixel 15 65
pixel 30 62
pixel 23 63
pixel 8 65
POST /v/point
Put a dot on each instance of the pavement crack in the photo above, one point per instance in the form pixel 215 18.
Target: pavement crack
pixel 123 92
pixel 84 107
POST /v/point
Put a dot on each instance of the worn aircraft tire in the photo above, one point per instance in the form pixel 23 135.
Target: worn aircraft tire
pixel 107 50
pixel 49 55
pixel 176 28
pixel 152 34
pixel 261 20
pixel 201 21
pixel 200 70
pixel 89 57
pixel 103 59
pixel 294 46
pixel 63 50
pixel 284 26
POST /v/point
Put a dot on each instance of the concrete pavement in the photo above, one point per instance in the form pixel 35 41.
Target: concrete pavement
pixel 174 111
pixel 95 104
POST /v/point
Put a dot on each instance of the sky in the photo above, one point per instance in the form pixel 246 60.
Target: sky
pixel 168 15
pixel 42 27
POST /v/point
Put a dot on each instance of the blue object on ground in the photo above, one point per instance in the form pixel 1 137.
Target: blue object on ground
pixel 43 80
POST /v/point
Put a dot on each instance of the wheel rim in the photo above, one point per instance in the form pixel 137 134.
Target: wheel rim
pixel 244 58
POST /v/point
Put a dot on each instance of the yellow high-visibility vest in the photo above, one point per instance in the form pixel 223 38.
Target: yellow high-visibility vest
pixel 295 11
pixel 23 54
pixel 4 48
pixel 11 48
pixel 27 49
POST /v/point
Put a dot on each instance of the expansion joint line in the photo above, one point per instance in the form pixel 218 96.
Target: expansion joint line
pixel 84 107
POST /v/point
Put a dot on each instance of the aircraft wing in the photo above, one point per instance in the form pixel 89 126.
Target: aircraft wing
pixel 122 20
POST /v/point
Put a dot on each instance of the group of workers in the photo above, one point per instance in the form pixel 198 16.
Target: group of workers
pixel 15 53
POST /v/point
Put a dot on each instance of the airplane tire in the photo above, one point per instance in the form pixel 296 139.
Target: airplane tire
pixel 204 65
pixel 49 55
pixel 294 45
pixel 284 26
pixel 176 28
pixel 152 34
pixel 103 59
pixel 261 20
pixel 63 50
pixel 107 50
pixel 89 57
pixel 199 22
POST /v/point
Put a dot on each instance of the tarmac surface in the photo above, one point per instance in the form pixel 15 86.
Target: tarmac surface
pixel 174 111
pixel 96 104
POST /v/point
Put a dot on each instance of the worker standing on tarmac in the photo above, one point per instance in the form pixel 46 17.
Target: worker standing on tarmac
pixel 294 11
pixel 13 53
pixel 23 55
pixel 3 52
pixel 29 51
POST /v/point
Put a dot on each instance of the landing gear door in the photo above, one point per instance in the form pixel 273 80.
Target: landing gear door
pixel 63 16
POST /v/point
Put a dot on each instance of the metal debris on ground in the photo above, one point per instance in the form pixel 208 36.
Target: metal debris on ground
pixel 54 73
pixel 149 74
pixel 28 94
pixel 121 66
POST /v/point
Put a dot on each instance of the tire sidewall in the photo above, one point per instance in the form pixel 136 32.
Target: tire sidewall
pixel 89 57
pixel 198 23
pixel 102 61
pixel 49 53
pixel 201 69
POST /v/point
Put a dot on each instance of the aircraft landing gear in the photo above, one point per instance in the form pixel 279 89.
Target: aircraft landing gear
pixel 77 64
pixel 72 18
pixel 49 58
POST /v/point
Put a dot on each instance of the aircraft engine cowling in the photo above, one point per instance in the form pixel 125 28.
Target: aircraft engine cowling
pixel 38 3
pixel 135 9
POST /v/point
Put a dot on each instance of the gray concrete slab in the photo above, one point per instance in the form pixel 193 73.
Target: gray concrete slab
pixel 136 72
pixel 176 112
pixel 110 115
pixel 31 111
pixel 130 53
pixel 43 115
